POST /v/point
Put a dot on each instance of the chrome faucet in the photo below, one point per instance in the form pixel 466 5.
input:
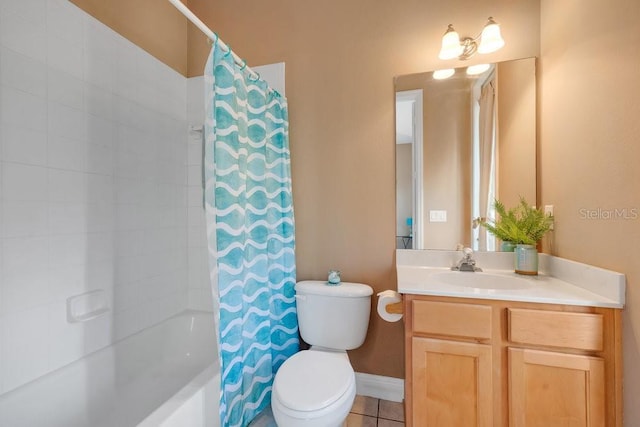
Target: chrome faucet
pixel 467 263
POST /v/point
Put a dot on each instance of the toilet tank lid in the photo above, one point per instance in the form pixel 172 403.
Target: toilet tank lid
pixel 344 289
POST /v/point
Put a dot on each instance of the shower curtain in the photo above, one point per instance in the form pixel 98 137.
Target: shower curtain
pixel 251 233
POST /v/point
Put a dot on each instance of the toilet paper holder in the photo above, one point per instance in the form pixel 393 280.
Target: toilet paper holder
pixel 395 308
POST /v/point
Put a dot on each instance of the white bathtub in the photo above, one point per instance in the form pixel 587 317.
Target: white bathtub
pixel 167 375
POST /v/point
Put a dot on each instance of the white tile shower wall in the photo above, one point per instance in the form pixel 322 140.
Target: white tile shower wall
pixel 200 296
pixel 93 188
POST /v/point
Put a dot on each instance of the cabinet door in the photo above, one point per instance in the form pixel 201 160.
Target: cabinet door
pixel 452 384
pixel 555 389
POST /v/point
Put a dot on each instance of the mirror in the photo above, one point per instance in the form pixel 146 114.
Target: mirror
pixel 462 142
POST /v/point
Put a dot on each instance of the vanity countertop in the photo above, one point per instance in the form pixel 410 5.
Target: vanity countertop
pixel 560 281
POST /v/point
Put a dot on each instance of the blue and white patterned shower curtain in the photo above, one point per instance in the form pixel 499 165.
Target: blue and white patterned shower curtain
pixel 251 233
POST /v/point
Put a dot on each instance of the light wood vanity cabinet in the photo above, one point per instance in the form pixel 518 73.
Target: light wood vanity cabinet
pixel 475 362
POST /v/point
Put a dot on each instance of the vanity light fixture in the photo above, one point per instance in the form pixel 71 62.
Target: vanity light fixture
pixel 490 40
pixel 443 74
pixel 474 70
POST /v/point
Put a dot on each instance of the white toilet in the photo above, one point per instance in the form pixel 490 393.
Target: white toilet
pixel 316 387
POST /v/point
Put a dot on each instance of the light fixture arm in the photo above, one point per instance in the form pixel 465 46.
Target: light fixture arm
pixel 469 47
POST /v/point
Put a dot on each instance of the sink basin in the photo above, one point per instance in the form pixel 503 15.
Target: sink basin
pixel 480 280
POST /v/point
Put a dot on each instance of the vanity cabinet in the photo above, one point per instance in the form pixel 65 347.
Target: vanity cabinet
pixel 451 374
pixel 476 362
pixel 548 388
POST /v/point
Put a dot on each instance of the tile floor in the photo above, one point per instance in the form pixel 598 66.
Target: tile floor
pixel 365 412
pixel 371 412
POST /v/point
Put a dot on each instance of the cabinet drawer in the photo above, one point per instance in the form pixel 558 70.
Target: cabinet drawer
pixel 581 331
pixel 452 319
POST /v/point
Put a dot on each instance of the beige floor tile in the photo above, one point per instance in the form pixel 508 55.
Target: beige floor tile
pixel 391 410
pixel 389 423
pixel 357 420
pixel 364 405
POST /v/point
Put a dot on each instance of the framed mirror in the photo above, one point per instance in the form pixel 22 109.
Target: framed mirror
pixel 461 143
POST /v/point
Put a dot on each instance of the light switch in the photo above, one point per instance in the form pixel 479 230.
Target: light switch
pixel 437 216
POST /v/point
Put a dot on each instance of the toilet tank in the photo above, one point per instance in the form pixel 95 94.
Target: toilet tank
pixel 335 317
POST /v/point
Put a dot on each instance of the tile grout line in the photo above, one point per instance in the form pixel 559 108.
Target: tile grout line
pixel 377 416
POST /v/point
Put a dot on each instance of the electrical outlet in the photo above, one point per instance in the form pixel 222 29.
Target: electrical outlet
pixel 548 210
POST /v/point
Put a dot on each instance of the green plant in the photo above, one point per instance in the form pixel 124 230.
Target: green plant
pixel 522 225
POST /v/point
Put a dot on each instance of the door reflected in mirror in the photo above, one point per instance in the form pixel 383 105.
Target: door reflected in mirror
pixel 461 143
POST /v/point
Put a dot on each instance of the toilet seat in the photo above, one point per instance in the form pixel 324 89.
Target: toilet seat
pixel 313 388
pixel 311 381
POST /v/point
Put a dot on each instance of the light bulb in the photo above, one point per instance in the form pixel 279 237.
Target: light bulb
pixel 490 39
pixel 443 74
pixel 451 47
pixel 474 70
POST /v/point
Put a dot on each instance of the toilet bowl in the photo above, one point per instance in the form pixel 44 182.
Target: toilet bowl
pixel 314 388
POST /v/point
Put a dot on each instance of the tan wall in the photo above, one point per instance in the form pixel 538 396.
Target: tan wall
pixel 589 152
pixel 447 162
pixel 517 131
pixel 199 44
pixel 341 57
pixel 155 26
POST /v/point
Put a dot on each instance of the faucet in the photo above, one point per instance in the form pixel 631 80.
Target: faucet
pixel 467 263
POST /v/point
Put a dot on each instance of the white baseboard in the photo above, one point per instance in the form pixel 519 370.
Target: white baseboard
pixel 387 388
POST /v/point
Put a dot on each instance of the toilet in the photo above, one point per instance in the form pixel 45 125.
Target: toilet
pixel 317 387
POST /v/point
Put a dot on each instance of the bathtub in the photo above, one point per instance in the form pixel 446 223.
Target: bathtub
pixel 166 375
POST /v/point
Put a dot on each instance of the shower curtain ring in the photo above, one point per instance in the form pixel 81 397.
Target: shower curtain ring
pixel 215 41
pixel 227 52
pixel 244 64
pixel 257 74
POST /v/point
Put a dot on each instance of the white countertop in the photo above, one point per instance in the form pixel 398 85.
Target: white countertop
pixel 560 281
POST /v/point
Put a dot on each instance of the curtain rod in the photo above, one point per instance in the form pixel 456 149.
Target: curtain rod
pixel 210 34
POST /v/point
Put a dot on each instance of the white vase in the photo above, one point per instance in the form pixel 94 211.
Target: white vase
pixel 526 260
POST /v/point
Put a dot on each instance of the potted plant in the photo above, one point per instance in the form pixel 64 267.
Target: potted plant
pixel 502 227
pixel 524 226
